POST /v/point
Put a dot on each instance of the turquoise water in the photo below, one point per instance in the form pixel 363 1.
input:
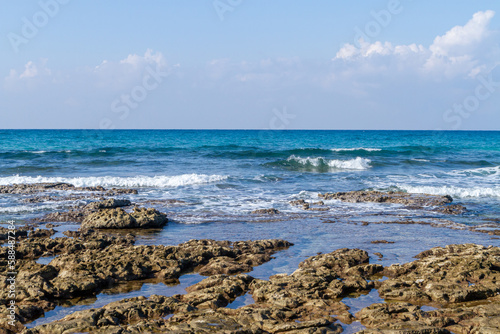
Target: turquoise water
pixel 233 172
pixel 221 176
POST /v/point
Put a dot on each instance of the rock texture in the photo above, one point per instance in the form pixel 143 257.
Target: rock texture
pixel 303 302
pixel 92 263
pixel 270 211
pixel 306 301
pixel 408 318
pixel 79 214
pixel 119 218
pixel 33 188
pixel 442 275
pixel 415 201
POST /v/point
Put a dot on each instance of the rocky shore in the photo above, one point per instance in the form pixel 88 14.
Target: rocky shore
pixel 450 289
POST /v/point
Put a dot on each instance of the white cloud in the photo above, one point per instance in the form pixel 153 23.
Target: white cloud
pixel 119 75
pixel 155 59
pixel 31 70
pixel 463 50
pixel 462 39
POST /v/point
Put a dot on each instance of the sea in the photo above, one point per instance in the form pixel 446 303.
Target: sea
pixel 209 182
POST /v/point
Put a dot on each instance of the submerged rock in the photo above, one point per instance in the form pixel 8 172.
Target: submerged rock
pixel 109 203
pixel 397 197
pixel 32 188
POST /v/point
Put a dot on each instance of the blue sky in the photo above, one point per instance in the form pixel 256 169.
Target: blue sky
pixel 250 64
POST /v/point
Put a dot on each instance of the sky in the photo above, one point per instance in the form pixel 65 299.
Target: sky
pixel 241 64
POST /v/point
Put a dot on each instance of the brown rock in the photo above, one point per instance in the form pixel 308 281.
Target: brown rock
pixel 271 211
pixel 451 274
pixel 118 218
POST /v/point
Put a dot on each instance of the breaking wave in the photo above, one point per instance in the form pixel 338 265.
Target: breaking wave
pixel 116 181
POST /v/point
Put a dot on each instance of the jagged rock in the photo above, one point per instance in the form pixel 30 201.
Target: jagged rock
pixel 118 218
pixel 451 209
pixel 92 264
pixel 120 191
pixel 76 216
pixel 19 232
pixel 451 274
pixel 109 203
pixel 397 197
pixel 382 242
pixel 32 188
pixel 42 233
pixel 270 211
pixel 407 318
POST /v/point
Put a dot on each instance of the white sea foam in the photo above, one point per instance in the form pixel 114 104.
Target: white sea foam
pixel 368 149
pixel 115 181
pixel 484 171
pixel 36 152
pixel 458 192
pixel 29 208
pixel 358 163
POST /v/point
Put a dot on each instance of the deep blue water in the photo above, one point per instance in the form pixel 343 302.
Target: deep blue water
pixel 237 171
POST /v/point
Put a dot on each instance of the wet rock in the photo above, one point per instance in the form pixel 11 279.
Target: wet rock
pixel 397 318
pixel 118 218
pixel 451 209
pixel 19 232
pixel 34 188
pixel 120 191
pixel 76 216
pixel 407 318
pixel 49 225
pixel 451 274
pixel 33 248
pixel 109 203
pixel 416 200
pixel 42 233
pixel 382 242
pixel 313 290
pixel 166 202
pixel 298 202
pixel 270 211
pixel 200 310
pixel 93 265
pixel 307 206
pixel 61 198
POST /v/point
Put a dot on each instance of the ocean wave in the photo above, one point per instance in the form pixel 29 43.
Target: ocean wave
pixel 357 163
pixel 116 181
pixel 453 191
pixel 356 149
pixel 484 171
